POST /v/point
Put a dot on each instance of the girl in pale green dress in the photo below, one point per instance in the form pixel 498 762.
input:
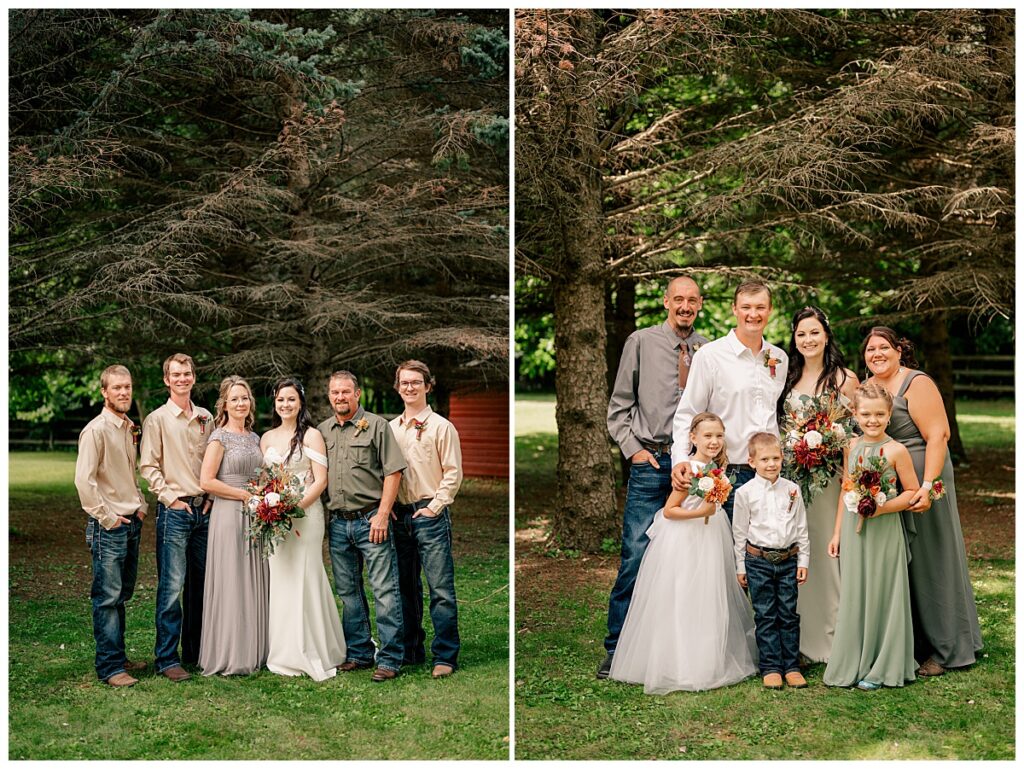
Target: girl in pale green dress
pixel 874 639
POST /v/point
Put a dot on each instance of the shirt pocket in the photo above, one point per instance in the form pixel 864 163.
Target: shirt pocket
pixel 359 450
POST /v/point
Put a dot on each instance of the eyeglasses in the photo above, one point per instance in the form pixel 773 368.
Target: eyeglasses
pixel 410 385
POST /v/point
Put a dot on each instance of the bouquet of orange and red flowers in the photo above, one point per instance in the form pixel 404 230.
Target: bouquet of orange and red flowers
pixel 712 484
pixel 869 487
pixel 814 436
pixel 276 493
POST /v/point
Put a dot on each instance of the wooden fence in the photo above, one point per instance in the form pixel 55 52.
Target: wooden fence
pixel 984 375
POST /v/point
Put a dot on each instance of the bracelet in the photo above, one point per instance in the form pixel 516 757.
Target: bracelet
pixel 927 485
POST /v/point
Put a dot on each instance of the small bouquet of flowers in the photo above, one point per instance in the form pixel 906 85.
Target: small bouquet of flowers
pixel 868 488
pixel 276 493
pixel 711 484
pixel 813 441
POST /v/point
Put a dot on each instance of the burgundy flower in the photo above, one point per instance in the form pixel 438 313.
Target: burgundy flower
pixel 869 479
pixel 866 507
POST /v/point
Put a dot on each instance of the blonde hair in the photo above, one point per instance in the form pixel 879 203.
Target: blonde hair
pixel 220 409
pixel 117 369
pixel 762 441
pixel 870 391
pixel 179 357
pixel 722 458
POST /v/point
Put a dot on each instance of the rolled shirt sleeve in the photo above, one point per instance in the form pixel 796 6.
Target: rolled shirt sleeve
pixel 623 399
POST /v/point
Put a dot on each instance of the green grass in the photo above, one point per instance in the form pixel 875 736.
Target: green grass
pixel 563 712
pixel 59 711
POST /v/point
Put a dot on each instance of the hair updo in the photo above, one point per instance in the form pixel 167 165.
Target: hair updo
pixel 871 391
pixel 904 345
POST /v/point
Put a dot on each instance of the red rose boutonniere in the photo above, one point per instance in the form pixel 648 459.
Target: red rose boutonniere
pixel 203 421
pixel 419 427
pixel 771 362
pixel 792 498
pixel 136 434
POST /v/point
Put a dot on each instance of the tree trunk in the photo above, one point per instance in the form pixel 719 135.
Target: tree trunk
pixel 935 351
pixel 585 514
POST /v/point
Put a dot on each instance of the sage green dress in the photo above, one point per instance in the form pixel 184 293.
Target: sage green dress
pixel 874 639
pixel 945 616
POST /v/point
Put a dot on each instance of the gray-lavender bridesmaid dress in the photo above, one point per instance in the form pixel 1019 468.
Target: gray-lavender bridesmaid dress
pixel 237 596
pixel 945 616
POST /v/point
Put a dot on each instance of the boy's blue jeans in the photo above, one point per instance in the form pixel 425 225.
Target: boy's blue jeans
pixel 773 592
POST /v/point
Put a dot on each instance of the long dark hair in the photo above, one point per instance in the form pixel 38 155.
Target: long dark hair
pixel 833 373
pixel 303 420
pixel 901 343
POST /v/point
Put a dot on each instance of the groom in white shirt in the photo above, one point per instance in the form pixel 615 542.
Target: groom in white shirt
pixel 738 377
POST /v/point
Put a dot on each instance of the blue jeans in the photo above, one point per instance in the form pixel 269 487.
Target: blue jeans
pixel 743 474
pixel 180 543
pixel 347 540
pixel 646 493
pixel 773 592
pixel 426 542
pixel 115 565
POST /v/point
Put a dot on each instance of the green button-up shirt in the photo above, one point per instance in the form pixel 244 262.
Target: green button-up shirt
pixel 358 458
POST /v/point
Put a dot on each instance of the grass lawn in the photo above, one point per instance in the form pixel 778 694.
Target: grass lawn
pixel 563 712
pixel 58 710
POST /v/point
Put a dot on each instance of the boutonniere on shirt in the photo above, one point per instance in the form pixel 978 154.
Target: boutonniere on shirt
pixel 203 421
pixel 361 425
pixel 696 346
pixel 419 427
pixel 771 362
pixel 136 434
pixel 792 497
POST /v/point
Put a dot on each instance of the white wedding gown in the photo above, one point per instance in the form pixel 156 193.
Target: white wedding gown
pixel 689 627
pixel 305 630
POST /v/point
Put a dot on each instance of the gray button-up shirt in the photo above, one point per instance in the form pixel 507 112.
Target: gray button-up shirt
pixel 646 390
pixel 358 458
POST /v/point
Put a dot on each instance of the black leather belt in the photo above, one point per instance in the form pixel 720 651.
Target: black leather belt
pixel 657 448
pixel 354 515
pixel 412 507
pixel 773 554
pixel 197 501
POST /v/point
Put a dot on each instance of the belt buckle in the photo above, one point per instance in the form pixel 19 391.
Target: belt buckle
pixel 775 556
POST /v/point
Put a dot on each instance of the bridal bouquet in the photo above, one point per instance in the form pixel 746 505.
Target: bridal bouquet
pixel 868 488
pixel 276 493
pixel 711 484
pixel 815 435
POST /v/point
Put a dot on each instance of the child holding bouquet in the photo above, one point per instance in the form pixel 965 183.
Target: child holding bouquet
pixel 689 627
pixel 874 640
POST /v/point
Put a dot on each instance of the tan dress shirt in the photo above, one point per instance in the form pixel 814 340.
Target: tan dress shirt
pixel 173 445
pixel 105 470
pixel 434 459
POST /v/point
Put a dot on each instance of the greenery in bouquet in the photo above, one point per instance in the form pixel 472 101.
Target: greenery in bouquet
pixel 814 436
pixel 868 487
pixel 276 493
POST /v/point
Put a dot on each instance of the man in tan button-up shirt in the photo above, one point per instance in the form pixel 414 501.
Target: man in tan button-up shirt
pixel 174 440
pixel 423 531
pixel 110 494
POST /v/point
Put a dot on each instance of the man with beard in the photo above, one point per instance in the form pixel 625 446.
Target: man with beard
pixel 364 470
pixel 109 492
pixel 653 373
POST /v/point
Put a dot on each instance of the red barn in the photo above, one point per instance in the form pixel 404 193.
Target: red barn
pixel 482 421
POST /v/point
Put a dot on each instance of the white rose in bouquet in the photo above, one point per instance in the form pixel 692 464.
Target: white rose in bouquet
pixel 851 500
pixel 839 431
pixel 880 498
pixel 813 439
pixel 273 498
pixel 706 484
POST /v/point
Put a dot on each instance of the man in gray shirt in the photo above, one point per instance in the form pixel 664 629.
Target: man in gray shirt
pixel 653 369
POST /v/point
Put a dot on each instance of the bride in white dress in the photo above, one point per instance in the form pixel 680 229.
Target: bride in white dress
pixel 305 629
pixel 689 626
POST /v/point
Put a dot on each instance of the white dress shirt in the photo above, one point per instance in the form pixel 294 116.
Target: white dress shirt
pixel 730 381
pixel 767 514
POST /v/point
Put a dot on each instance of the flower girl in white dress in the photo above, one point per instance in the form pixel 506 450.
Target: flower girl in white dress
pixel 689 626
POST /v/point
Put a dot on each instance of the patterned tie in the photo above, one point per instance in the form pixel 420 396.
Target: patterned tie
pixel 684 365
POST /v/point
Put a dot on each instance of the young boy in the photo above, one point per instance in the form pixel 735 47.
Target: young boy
pixel 769 530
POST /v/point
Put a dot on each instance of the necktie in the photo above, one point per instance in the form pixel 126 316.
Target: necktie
pixel 684 365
